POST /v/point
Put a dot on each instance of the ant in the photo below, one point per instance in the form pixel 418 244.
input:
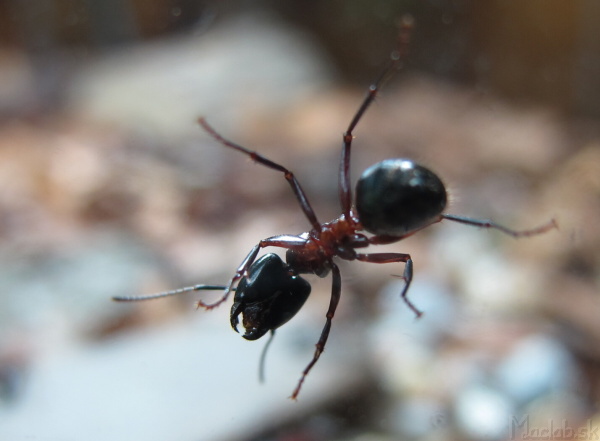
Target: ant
pixel 395 198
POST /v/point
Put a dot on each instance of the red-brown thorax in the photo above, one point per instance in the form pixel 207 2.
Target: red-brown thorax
pixel 336 238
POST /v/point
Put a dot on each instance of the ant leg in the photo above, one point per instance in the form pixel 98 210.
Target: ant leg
pixel 385 240
pixel 489 224
pixel 282 241
pixel 396 58
pixel 407 275
pixel 289 176
pixel 336 290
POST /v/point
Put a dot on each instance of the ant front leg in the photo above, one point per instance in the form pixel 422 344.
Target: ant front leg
pixel 407 275
pixel 257 157
pixel 336 290
pixel 282 241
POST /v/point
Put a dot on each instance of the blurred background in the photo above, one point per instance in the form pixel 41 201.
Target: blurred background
pixel 109 187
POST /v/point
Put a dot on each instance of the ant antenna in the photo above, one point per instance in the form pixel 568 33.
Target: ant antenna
pixel 174 292
pixel 263 356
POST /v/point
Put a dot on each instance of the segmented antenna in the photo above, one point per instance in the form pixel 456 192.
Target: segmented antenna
pixel 174 292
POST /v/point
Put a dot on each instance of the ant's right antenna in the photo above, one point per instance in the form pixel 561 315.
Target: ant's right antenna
pixel 168 293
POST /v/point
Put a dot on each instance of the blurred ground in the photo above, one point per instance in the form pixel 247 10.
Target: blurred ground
pixel 110 188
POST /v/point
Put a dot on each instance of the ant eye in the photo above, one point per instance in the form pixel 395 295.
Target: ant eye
pixel 397 196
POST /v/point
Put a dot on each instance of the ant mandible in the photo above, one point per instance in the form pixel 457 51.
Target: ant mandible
pixel 394 199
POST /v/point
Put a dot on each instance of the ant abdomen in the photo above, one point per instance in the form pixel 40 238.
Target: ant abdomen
pixel 397 196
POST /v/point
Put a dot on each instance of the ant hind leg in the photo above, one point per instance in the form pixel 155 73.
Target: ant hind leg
pixel 486 223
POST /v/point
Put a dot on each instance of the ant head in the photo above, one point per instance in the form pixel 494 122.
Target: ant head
pixel 268 297
pixel 397 196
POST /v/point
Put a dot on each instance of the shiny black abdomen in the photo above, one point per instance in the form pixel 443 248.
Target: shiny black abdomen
pixel 397 196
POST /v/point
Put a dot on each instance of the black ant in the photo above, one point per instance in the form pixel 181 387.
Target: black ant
pixel 395 198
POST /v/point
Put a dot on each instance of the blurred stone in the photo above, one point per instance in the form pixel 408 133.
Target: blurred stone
pixel 163 87
pixel 537 365
pixel 482 412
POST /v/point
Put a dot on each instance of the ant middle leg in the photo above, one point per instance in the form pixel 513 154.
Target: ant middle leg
pixel 407 275
pixel 257 157
pixel 396 58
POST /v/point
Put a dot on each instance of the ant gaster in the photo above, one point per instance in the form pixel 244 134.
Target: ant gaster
pixel 395 198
